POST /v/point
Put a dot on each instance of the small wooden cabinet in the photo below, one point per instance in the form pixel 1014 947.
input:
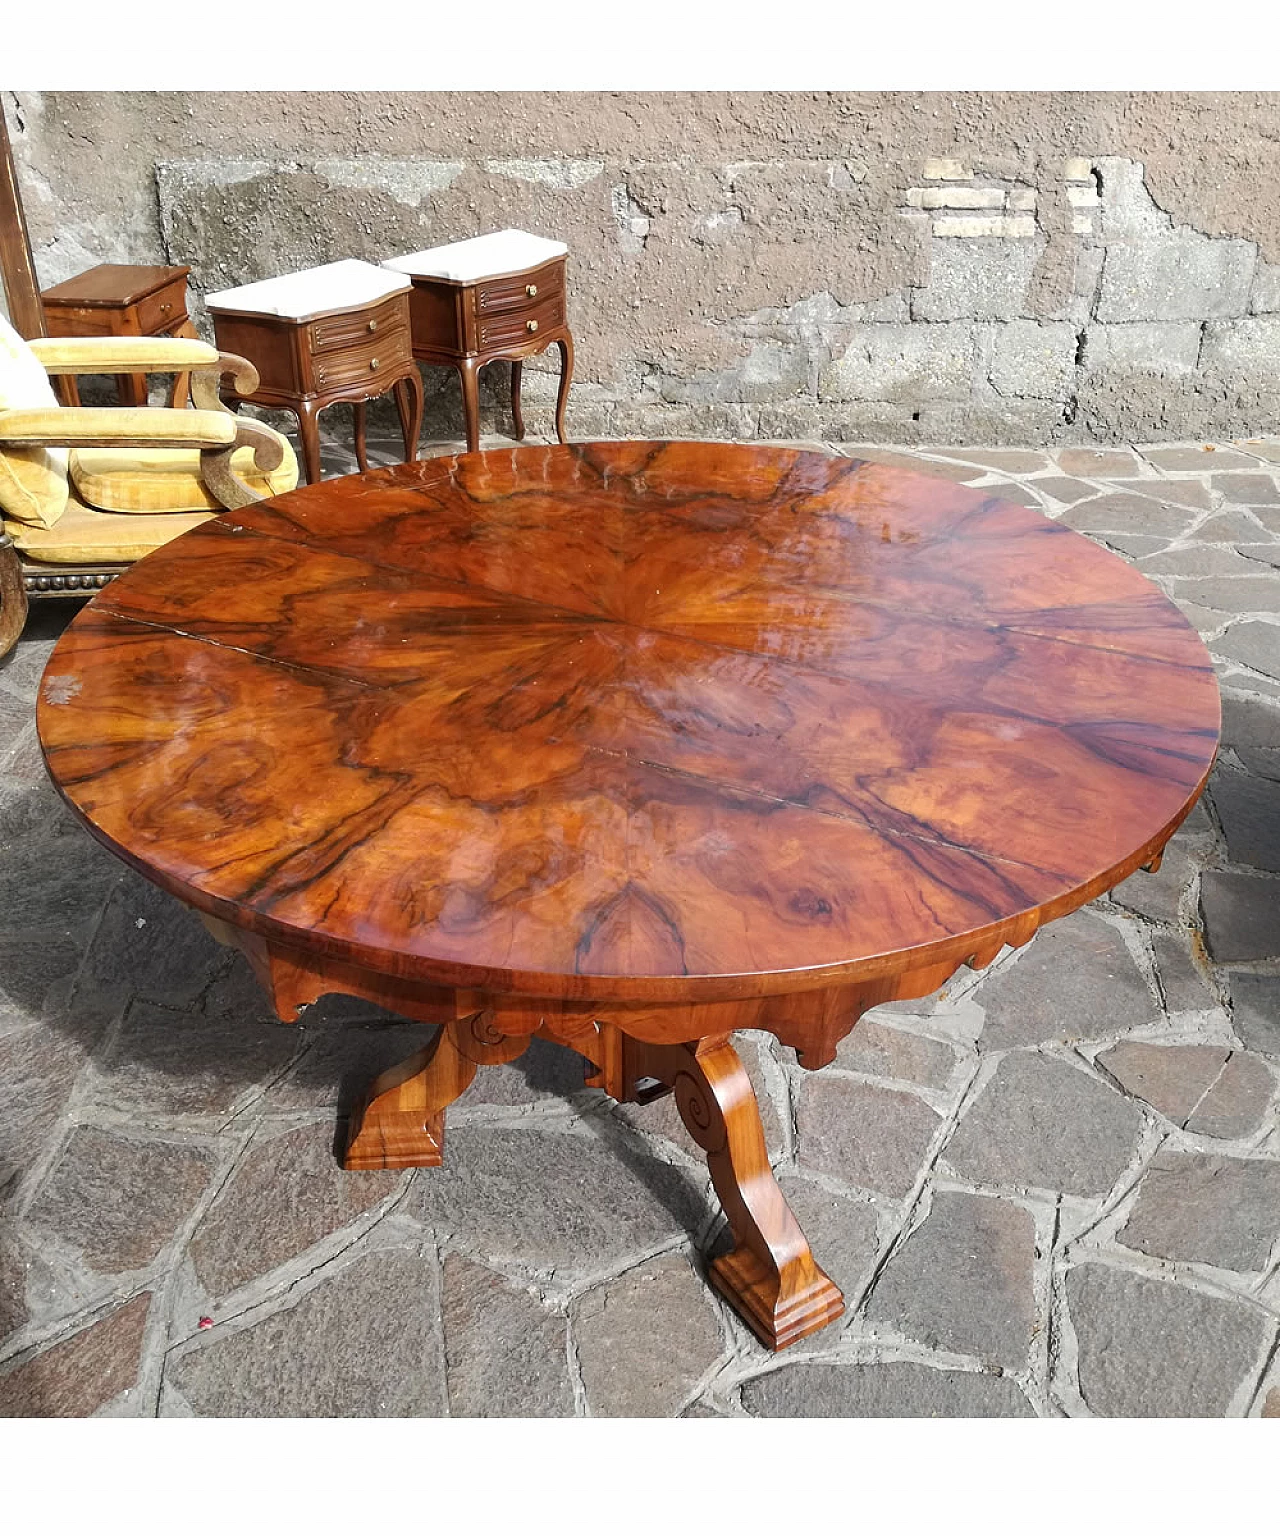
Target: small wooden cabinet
pixel 116 300
pixel 319 356
pixel 468 311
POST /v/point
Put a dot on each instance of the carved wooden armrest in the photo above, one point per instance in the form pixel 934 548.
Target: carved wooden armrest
pixel 108 427
pixel 121 354
pixel 221 479
pixel 206 382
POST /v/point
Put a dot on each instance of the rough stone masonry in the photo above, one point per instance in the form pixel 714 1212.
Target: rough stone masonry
pixel 915 268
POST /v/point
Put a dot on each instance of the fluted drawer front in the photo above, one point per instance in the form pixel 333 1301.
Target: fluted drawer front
pixel 365 361
pixel 523 324
pixel 335 331
pixel 505 295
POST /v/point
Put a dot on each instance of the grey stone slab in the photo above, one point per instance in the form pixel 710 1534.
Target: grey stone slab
pixel 1255 643
pixel 975 281
pixel 1261 554
pixel 962 1281
pixel 1262 762
pixel 339 1062
pixel 1256 1010
pixel 1097 463
pixel 1122 512
pixel 164 1062
pixel 1175 274
pixel 1165 349
pixel 1199 560
pixel 1075 981
pixel 38 1068
pixel 13 1281
pixel 1013 461
pixel 920 464
pixel 662 1118
pixel 74 1379
pixel 48 890
pixel 1132 545
pixel 1185 493
pixel 287 1194
pixel 1171 1078
pixel 117 1199
pixel 1237 1102
pixel 1149 1349
pixel 1249 723
pixel 1271 1405
pixel 546 1072
pixel 1182 983
pixel 1255 490
pixel 153 945
pixel 554 1202
pixel 361 1344
pixel 907 362
pixel 1231 527
pixel 881 1051
pixel 633 1365
pixel 1241 915
pixel 1249 810
pixel 1042 1124
pixel 508 1356
pixel 841 1231
pixel 1232 594
pixel 876 1138
pixel 33 977
pixel 20 670
pixel 897 1390
pixel 1207 1210
pixel 1198 457
pixel 1033 360
pixel 1063 489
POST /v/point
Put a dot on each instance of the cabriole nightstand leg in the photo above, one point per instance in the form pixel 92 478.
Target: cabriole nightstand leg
pixel 409 398
pixel 517 415
pixel 566 378
pixel 308 416
pixel 469 373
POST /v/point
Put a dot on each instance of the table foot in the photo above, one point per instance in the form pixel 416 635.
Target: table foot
pixel 400 1122
pixel 770 1277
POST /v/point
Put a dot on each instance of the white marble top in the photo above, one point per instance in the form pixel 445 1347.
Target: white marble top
pixel 466 261
pixel 317 291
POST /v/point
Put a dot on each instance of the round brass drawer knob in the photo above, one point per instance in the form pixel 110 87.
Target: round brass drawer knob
pixel 373 325
pixel 531 325
pixel 373 364
pixel 532 290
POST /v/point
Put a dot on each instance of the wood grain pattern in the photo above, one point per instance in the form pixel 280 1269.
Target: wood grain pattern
pixel 629 746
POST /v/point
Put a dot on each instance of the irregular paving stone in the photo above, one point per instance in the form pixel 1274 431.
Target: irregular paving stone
pixel 163 1062
pixel 875 1138
pixel 661 1117
pixel 338 1064
pixel 842 1232
pixel 1096 462
pixel 1208 1210
pixel 1063 489
pixel 962 1281
pixel 546 1071
pixel 507 1355
pixel 1199 560
pixel 629 1369
pixel 1249 723
pixel 1253 490
pixel 287 1194
pixel 38 1068
pixel 1241 915
pixel 1133 545
pixel 1249 810
pixel 151 944
pixel 1123 513
pixel 1153 1350
pixel 880 1051
pixel 74 1379
pixel 46 892
pixel 1229 527
pixel 1254 643
pixel 1236 1103
pixel 29 975
pixel 1171 1078
pixel 1015 461
pixel 557 1203
pixel 1043 1124
pixel 1197 458
pixel 1263 554
pixel 13 1282
pixel 1256 1008
pixel 1075 980
pixel 899 1390
pixel 362 1344
pixel 1261 761
pixel 1187 493
pixel 920 464
pixel 119 1200
pixel 1183 986
pixel 1232 594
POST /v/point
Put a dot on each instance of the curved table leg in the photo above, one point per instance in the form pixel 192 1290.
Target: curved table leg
pixel 770 1277
pixel 309 433
pixel 566 378
pixel 362 446
pixel 517 415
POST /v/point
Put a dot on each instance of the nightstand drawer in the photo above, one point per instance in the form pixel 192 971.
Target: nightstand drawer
pixel 342 330
pixel 166 307
pixel 367 362
pixel 521 292
pixel 522 324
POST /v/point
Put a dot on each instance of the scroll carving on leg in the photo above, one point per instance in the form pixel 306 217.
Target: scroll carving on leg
pixel 770 1276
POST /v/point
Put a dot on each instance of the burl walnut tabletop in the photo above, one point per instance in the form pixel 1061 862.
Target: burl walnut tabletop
pixel 630 745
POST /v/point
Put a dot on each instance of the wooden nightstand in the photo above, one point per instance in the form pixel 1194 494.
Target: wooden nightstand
pixel 337 332
pixel 115 300
pixel 497 296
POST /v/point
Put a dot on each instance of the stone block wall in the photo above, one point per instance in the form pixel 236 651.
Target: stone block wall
pixel 991 268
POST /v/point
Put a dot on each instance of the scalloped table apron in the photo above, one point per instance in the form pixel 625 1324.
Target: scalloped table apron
pixel 629 746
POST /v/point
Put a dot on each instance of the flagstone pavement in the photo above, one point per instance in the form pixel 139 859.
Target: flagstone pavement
pixel 1051 1189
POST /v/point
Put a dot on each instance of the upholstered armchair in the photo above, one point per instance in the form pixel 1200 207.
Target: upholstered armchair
pixel 85 491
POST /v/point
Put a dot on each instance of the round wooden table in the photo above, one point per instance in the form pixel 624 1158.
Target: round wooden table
pixel 628 746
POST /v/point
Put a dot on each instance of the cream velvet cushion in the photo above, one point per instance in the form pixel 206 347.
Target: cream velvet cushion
pixel 145 480
pixel 33 481
pixel 84 536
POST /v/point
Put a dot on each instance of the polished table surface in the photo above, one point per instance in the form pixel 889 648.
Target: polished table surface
pixel 629 744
